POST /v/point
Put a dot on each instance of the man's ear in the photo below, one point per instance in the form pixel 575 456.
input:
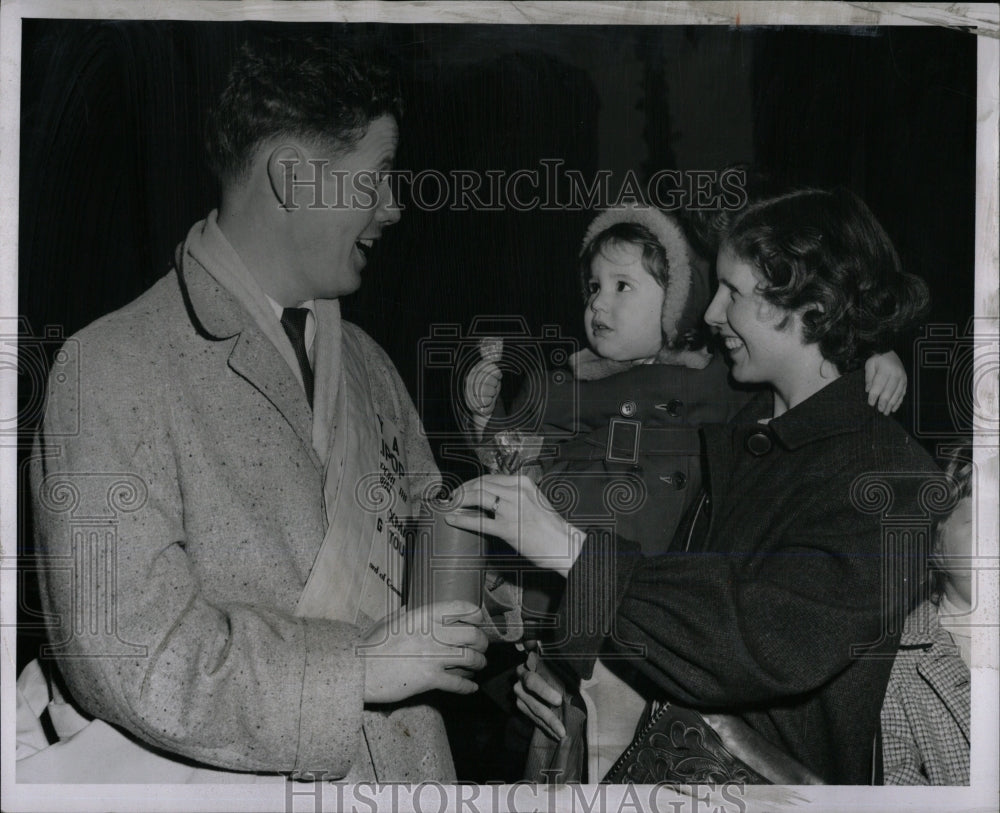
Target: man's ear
pixel 283 165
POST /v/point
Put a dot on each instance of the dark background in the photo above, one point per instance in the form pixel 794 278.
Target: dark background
pixel 112 178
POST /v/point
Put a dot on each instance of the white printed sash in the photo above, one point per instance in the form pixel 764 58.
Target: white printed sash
pixel 359 570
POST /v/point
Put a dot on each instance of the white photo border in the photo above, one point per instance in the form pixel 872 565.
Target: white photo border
pixel 984 18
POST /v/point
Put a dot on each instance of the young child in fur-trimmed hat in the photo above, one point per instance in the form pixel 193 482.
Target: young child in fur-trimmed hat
pixel 624 423
pixel 621 428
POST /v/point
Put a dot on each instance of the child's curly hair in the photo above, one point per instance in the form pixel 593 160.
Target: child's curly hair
pixel 958 475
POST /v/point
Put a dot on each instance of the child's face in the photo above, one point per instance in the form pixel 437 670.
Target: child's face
pixel 954 547
pixel 625 305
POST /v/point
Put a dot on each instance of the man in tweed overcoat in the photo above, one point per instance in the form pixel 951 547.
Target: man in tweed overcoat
pixel 223 459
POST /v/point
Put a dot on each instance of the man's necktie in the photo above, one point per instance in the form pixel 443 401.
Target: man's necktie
pixel 293 320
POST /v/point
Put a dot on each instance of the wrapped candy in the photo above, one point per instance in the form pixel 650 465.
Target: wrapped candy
pixel 491 349
pixel 516 452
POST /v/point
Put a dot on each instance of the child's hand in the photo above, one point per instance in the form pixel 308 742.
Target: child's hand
pixel 482 387
pixel 885 382
pixel 539 701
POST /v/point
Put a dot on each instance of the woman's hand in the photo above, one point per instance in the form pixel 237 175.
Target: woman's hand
pixel 540 701
pixel 431 647
pixel 518 513
pixel 885 382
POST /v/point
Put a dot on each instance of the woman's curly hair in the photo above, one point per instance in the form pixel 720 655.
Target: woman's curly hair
pixel 824 255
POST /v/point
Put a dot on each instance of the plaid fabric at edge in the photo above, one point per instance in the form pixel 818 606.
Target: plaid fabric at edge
pixel 925 718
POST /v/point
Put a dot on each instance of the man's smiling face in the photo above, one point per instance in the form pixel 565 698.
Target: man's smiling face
pixel 342 202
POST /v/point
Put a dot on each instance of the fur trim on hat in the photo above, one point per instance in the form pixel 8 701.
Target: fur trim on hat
pixel 669 235
pixel 586 365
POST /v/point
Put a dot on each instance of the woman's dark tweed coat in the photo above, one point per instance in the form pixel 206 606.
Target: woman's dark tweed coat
pixel 779 609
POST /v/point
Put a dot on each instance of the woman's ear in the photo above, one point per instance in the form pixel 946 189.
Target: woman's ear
pixel 817 308
pixel 283 165
pixel 808 315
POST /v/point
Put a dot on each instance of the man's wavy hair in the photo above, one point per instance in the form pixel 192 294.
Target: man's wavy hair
pixel 823 254
pixel 324 92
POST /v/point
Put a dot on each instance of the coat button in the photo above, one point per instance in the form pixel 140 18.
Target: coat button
pixel 759 443
pixel 678 480
pixel 674 408
pixel 628 409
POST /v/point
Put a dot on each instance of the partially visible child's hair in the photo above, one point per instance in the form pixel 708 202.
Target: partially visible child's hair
pixel 665 257
pixel 707 227
pixel 654 258
pixel 823 254
pixel 958 481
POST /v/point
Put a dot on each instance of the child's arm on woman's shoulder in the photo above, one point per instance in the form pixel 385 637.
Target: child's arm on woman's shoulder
pixel 885 382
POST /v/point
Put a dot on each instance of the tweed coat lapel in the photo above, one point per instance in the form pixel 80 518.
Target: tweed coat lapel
pixel 944 676
pixel 943 671
pixel 254 357
pixel 256 360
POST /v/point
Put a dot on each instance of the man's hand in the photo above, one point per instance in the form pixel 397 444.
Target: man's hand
pixel 431 647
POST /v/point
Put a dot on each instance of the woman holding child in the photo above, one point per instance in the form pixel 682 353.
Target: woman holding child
pixel 769 609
